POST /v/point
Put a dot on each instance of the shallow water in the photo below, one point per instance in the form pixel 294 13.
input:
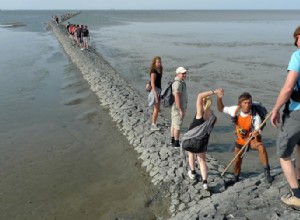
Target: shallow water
pixel 61 156
pixel 60 152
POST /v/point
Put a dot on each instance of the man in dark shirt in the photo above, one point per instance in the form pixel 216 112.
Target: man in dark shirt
pixel 85 37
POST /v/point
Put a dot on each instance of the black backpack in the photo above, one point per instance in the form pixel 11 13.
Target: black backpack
pixel 166 96
pixel 257 107
pixel 295 96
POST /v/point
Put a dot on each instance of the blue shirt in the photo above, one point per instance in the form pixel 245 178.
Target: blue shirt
pixel 294 64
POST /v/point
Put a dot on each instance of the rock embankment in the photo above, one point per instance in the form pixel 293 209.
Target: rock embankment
pixel 249 199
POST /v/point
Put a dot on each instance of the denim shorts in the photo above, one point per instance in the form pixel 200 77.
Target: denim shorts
pixel 289 134
pixel 151 97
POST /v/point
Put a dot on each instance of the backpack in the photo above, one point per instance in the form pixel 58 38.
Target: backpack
pixel 196 139
pixel 166 96
pixel 295 96
pixel 257 107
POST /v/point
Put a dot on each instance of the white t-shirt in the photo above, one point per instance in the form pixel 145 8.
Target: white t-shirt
pixel 231 110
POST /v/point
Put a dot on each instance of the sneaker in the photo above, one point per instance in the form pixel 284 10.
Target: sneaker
pixel 291 201
pixel 191 175
pixel 176 144
pixel 205 186
pixel 82 49
pixel 154 128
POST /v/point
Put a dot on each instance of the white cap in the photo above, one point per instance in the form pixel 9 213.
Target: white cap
pixel 181 70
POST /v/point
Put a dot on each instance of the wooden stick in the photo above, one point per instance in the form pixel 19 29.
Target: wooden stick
pixel 246 144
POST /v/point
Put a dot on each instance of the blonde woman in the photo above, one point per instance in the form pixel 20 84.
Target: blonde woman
pixel 156 71
pixel 195 141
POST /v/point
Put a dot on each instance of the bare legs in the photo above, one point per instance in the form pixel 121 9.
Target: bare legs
pixel 201 157
pixel 175 133
pixel 291 173
pixel 155 112
pixel 298 161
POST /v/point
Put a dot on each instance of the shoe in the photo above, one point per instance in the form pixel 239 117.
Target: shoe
pixel 291 201
pixel 205 186
pixel 82 49
pixel 176 144
pixel 191 175
pixel 236 178
pixel 268 177
pixel 154 128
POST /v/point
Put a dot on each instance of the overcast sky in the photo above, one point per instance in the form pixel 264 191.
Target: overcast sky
pixel 150 4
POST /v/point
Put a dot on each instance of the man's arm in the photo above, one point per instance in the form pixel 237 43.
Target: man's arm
pixel 284 96
pixel 152 80
pixel 220 104
pixel 178 103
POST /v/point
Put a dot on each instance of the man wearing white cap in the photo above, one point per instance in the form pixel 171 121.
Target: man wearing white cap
pixel 179 106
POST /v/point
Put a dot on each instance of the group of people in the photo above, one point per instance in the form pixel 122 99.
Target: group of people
pixel 247 123
pixel 55 18
pixel 80 34
pixel 66 16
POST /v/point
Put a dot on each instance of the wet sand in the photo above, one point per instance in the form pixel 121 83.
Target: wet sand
pixel 61 155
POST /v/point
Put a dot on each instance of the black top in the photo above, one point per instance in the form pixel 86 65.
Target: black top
pixel 85 32
pixel 196 122
pixel 78 32
pixel 158 78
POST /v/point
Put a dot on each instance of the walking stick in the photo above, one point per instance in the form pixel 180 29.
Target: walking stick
pixel 246 144
pixel 245 151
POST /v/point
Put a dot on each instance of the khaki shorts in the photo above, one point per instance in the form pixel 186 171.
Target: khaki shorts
pixel 85 40
pixel 289 134
pixel 176 120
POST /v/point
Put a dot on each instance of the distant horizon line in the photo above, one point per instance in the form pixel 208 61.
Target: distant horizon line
pixel 115 9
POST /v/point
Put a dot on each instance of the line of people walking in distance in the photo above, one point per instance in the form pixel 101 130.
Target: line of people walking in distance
pixel 79 34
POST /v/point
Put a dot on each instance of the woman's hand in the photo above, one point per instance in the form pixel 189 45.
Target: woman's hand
pixel 219 92
pixel 181 113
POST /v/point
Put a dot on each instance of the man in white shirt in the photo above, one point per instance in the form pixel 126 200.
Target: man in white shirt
pixel 246 125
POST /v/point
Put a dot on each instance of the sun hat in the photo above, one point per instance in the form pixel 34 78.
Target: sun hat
pixel 180 70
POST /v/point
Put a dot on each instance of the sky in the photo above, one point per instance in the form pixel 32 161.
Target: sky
pixel 151 4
